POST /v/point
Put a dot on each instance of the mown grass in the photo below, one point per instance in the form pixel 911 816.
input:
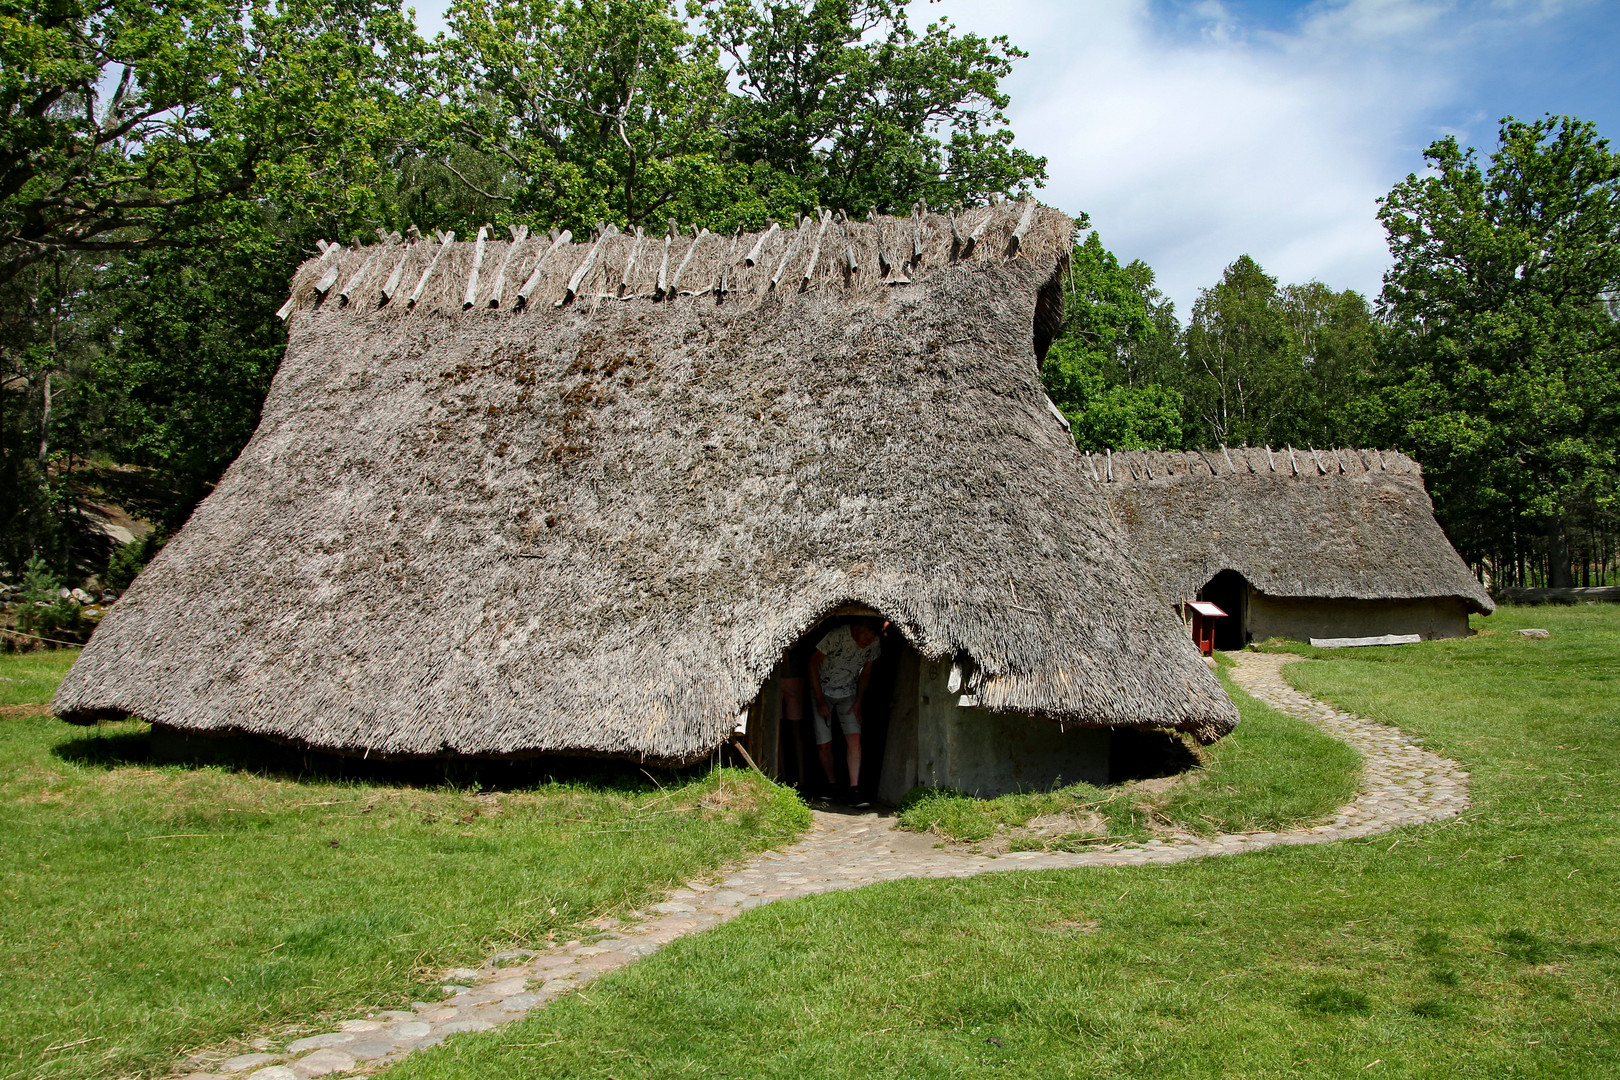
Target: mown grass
pixel 1485 947
pixel 145 910
pixel 1274 772
pixel 27 680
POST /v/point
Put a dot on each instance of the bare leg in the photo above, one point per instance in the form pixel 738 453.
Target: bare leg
pixel 793 726
pixel 793 699
pixel 825 749
pixel 852 754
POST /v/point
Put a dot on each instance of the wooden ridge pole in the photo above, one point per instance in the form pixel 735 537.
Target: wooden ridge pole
pixel 522 298
pixel 519 234
pixel 445 240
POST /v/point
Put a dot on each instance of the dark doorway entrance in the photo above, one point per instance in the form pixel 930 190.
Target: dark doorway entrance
pixel 801 761
pixel 1229 591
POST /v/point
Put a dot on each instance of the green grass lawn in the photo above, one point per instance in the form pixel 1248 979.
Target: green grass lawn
pixel 29 679
pixel 1485 947
pixel 149 910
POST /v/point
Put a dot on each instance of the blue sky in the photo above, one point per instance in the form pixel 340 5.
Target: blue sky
pixel 1194 132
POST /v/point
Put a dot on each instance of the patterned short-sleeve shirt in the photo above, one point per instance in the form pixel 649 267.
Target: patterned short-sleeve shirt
pixel 841 670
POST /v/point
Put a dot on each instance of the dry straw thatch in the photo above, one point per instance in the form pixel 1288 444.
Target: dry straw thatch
pixel 593 523
pixel 1342 524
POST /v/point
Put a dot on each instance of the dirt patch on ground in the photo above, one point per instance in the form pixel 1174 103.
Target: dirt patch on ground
pixel 17 712
pixel 1082 829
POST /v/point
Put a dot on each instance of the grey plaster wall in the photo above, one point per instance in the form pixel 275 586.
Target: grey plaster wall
pixel 1303 618
pixel 765 740
pixel 988 754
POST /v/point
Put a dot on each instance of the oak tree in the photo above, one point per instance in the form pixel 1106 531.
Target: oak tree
pixel 1507 347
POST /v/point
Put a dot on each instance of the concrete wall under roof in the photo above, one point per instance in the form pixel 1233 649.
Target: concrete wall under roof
pixel 1302 618
pixel 946 744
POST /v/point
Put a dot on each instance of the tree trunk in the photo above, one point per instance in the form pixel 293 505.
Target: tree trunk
pixel 45 430
pixel 1558 572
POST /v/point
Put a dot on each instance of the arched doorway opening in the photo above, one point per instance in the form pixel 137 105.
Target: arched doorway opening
pixel 1229 591
pixel 782 735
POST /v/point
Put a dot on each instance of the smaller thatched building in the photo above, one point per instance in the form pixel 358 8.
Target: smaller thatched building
pixel 1293 543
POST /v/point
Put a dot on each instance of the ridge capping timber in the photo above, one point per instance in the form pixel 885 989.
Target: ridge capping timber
pixel 614 265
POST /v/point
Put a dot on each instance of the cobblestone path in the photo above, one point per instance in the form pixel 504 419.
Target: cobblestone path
pixel 1402 784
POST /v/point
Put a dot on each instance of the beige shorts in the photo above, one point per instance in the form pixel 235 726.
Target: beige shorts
pixel 848 722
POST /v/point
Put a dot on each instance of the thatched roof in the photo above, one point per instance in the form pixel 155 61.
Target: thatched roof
pixel 1348 524
pixel 594 524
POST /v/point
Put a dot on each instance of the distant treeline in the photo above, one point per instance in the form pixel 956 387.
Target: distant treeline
pixel 164 167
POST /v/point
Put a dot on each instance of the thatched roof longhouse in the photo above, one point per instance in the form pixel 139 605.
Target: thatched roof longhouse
pixel 1341 524
pixel 593 523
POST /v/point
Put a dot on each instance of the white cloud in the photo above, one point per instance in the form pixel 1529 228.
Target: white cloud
pixel 1191 136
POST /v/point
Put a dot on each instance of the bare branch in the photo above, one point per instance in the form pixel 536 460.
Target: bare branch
pixel 472 186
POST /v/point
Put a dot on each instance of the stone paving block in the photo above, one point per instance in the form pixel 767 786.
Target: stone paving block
pixel 322 1062
pixel 544 962
pixel 274 1072
pixel 412 1029
pixel 604 961
pixel 457 1027
pixel 521 1002
pixel 319 1042
pixel 372 1048
pixel 245 1061
pixel 506 986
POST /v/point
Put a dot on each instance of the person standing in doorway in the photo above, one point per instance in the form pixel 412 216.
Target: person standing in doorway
pixel 840 671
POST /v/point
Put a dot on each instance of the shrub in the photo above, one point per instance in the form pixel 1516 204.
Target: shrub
pixel 43 611
pixel 130 559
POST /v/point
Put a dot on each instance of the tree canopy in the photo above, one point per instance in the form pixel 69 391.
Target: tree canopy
pixel 842 102
pixel 588 109
pixel 1269 366
pixel 1505 341
pixel 1258 363
pixel 126 124
pixel 1093 371
pixel 731 115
